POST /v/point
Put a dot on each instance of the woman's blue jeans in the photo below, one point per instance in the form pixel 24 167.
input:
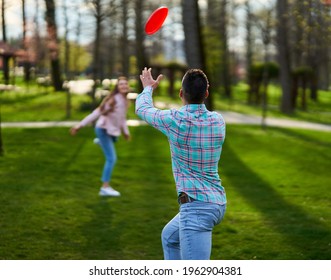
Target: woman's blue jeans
pixel 108 148
pixel 188 236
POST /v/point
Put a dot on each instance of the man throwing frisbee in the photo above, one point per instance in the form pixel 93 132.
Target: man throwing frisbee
pixel 196 136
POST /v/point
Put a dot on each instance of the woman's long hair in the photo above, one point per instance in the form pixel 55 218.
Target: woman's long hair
pixel 111 95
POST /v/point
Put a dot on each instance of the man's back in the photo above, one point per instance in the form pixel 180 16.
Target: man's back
pixel 196 136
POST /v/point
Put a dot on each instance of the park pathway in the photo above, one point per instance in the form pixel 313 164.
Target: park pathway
pixel 229 117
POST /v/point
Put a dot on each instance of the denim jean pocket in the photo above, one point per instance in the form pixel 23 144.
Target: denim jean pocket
pixel 200 216
pixel 209 218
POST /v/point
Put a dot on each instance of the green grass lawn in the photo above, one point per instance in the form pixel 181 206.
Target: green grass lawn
pixel 277 183
pixel 42 104
pixel 319 111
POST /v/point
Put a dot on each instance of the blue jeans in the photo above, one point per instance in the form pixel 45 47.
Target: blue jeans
pixel 108 148
pixel 188 236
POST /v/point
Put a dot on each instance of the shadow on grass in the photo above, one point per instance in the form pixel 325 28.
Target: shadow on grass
pixel 103 235
pixel 303 136
pixel 129 227
pixel 302 231
pixel 74 155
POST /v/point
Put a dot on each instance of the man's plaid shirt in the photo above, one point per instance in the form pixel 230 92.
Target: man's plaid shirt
pixel 196 136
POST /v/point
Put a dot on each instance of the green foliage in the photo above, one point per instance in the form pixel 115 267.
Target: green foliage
pixel 50 208
pixel 176 66
pixel 257 70
pixel 213 54
pixel 133 65
pixel 79 58
pixel 303 71
pixel 260 73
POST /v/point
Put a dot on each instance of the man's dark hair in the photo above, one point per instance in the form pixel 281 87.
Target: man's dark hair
pixel 194 86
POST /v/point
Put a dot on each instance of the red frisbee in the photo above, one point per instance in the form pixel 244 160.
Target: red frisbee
pixel 156 20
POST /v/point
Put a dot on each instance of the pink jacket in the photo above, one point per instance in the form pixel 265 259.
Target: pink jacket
pixel 115 121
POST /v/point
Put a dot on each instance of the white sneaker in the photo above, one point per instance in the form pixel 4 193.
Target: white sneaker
pixel 108 191
pixel 96 141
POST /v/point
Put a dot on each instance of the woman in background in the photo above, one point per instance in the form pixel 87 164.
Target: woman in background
pixel 110 119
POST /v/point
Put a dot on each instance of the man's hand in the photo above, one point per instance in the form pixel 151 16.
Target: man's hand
pixel 147 79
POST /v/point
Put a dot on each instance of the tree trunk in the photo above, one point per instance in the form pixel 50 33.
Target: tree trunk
pixel 66 57
pixel 53 45
pixel 125 42
pixel 77 39
pixel 1 146
pixel 284 56
pixel 312 48
pixel 193 37
pixel 249 50
pixel 96 50
pixel 171 78
pixel 213 27
pixel 26 62
pixel 299 36
pixel 266 35
pixel 213 16
pixel 66 65
pixel 3 20
pixel 194 48
pixel 303 95
pixel 38 49
pixel 249 45
pixel 5 59
pixel 295 91
pixel 1 142
pixel 225 56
